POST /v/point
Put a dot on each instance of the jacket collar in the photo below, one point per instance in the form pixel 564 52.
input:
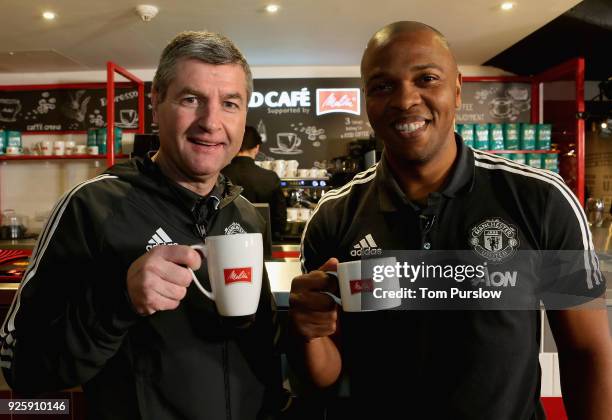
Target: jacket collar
pixel 461 180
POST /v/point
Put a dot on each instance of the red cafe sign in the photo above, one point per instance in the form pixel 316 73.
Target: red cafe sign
pixel 338 100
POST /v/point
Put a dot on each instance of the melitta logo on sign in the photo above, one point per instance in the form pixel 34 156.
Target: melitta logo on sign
pixel 359 286
pixel 234 275
pixel 338 100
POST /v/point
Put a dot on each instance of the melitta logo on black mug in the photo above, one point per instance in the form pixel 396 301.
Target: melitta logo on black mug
pixel 235 269
pixel 233 275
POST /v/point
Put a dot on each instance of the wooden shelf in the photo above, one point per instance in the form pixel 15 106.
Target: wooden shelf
pixel 53 157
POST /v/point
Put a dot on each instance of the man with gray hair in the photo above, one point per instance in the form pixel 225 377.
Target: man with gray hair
pixel 107 302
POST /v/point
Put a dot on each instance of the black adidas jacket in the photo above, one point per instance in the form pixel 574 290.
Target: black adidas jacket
pixel 71 322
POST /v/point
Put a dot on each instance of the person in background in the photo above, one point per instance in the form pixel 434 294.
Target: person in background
pixel 431 192
pixel 259 185
pixel 108 303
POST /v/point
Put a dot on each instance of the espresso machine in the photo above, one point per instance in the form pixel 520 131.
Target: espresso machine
pixel 302 195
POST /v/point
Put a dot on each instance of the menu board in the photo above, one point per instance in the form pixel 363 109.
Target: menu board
pixel 66 109
pixel 308 120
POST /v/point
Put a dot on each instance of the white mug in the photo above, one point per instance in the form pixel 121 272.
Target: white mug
pixel 13 150
pixel 303 173
pixel 235 268
pixel 292 214
pixel 92 150
pixel 266 164
pixel 80 149
pixel 59 147
pixel 70 146
pixel 44 148
pixel 358 288
pixel 292 164
pixel 303 214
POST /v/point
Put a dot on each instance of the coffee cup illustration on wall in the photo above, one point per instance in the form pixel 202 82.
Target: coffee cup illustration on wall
pixel 9 108
pixel 500 107
pixel 129 118
pixel 288 144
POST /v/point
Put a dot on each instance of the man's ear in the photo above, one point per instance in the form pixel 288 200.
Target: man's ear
pixel 458 92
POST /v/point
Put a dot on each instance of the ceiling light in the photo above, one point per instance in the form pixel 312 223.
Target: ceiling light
pixel 507 5
pixel 604 125
pixel 48 15
pixel 272 8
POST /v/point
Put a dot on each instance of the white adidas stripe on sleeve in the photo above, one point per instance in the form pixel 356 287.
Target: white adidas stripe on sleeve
pixel 8 327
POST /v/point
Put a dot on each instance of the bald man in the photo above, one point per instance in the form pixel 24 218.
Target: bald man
pixel 430 192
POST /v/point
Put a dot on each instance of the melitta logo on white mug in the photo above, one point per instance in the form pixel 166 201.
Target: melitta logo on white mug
pixel 361 285
pixel 240 274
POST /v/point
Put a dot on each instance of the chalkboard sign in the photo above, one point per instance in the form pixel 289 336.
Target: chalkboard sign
pixel 71 109
pixel 308 120
pixel 494 102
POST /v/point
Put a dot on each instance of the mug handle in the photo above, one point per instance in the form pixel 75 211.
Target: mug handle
pixel 330 294
pixel 201 248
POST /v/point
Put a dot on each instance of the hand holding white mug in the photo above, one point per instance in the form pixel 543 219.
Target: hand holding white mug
pixel 158 280
pixel 235 269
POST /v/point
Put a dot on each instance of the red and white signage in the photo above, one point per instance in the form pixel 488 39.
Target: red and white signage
pixel 338 100
pixel 239 274
pixel 360 286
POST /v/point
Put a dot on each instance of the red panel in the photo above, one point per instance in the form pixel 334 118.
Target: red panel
pixel 286 254
pixel 554 408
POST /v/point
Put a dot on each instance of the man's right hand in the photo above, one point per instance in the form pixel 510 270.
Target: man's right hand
pixel 158 280
pixel 314 314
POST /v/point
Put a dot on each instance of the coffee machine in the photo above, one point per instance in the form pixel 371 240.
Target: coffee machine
pixel 302 195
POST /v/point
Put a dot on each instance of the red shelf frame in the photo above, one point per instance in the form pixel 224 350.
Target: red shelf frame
pixel 573 70
pixel 65 157
pixel 111 69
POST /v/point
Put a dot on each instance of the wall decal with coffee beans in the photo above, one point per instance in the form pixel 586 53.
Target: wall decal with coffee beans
pixel 72 108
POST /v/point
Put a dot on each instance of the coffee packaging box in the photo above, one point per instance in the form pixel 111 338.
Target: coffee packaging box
pixel 527 136
pixel 92 137
pixel 13 139
pixel 518 158
pixel 543 136
pixel 481 139
pixel 2 141
pixel 511 136
pixel 101 140
pixel 118 136
pixel 550 162
pixel 496 137
pixel 466 131
pixel 534 160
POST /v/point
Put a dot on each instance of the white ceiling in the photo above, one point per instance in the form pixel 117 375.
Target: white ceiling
pixel 88 33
